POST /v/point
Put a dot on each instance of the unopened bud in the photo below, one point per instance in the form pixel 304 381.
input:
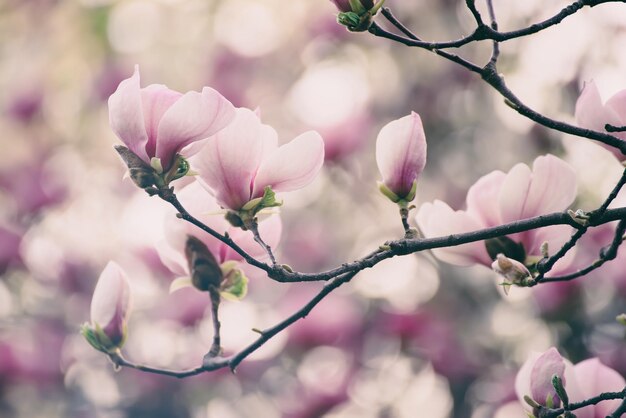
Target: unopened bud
pixel 204 269
pixel 512 270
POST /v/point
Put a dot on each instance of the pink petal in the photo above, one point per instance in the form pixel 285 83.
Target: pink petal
pixel 401 153
pixel 481 197
pixel 590 112
pixel 534 378
pixel 547 365
pixel 617 105
pixel 595 378
pixel 156 100
pixel 438 219
pixel 110 304
pixel 553 187
pixel 230 160
pixel 126 115
pixel 291 166
pixel 514 192
pixel 195 116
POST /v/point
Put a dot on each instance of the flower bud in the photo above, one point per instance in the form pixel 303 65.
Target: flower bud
pixel 401 156
pixel 110 309
pixel 512 270
pixel 205 271
pixel 536 375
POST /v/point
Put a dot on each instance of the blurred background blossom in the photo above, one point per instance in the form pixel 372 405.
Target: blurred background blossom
pixel 411 337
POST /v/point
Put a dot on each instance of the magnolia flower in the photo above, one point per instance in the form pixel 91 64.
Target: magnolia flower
pixel 595 378
pixel 110 309
pixel 199 203
pixel 592 113
pixel 499 198
pixel 156 122
pixel 401 156
pixel 585 380
pixel 534 378
pixel 240 162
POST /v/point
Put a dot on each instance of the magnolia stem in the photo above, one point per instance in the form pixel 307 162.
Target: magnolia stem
pixel 216 348
pixel 253 226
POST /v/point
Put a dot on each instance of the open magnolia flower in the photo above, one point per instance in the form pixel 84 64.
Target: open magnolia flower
pixel 177 251
pixel 499 198
pixel 110 309
pixel 156 123
pixel 401 157
pixel 592 113
pixel 534 384
pixel 243 163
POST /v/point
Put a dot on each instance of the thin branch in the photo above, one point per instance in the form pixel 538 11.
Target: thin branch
pixel 119 361
pixel 610 128
pixel 376 30
pixel 253 226
pixel 216 347
pixel 169 196
pixel 546 265
pixel 620 184
pixel 490 75
pixel 211 363
pixel 399 25
pixel 606 254
pixel 471 5
pixel 494 25
pixel 553 413
pixel 485 32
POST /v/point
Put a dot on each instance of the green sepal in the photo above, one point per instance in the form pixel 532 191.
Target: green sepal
pixel 155 163
pixel 254 206
pixel 235 283
pixel 96 337
pixel 179 169
pixel 557 383
pixel 409 197
pixel 387 192
pixel 357 6
pixel 549 401
pixel 349 19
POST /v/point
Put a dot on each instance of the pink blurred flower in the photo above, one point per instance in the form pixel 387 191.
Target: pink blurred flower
pixel 110 309
pixel 585 380
pixel 595 378
pixel 343 139
pixel 155 121
pixel 201 205
pixel 242 160
pixel 592 113
pixel 499 198
pixel 401 156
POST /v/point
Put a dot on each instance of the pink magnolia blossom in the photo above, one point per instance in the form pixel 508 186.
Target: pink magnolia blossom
pixel 238 163
pixel 201 205
pixel 110 306
pixel 499 198
pixel 595 378
pixel 155 121
pixel 585 380
pixel 592 113
pixel 401 155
